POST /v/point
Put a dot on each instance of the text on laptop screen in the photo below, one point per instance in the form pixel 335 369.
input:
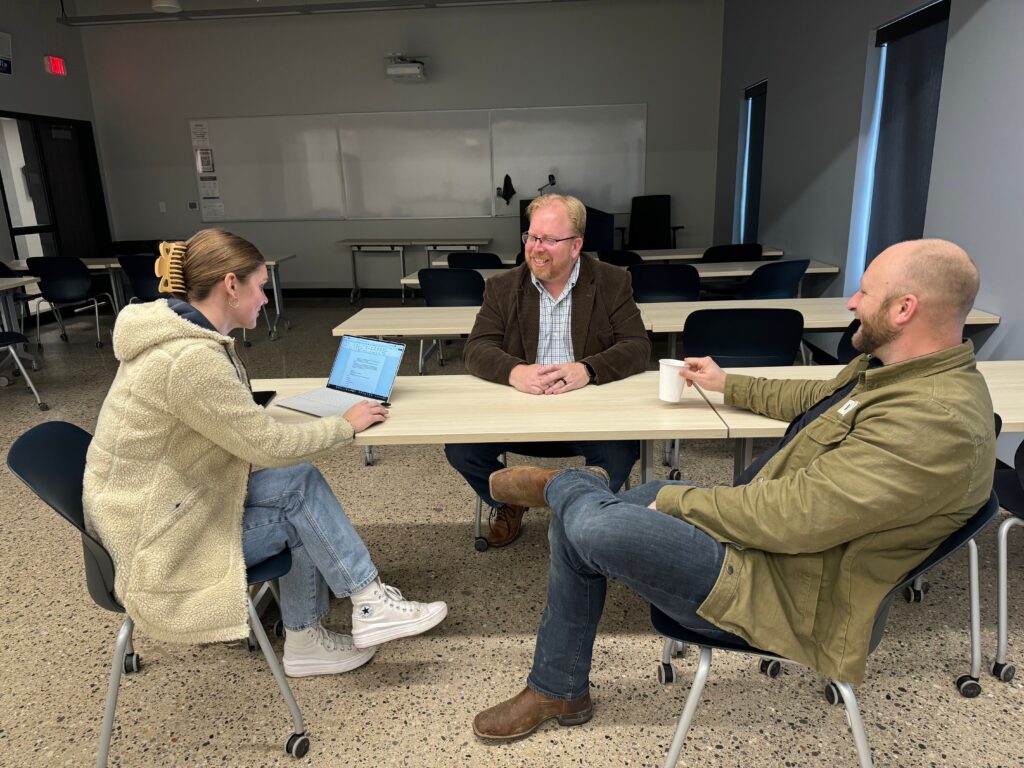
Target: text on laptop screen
pixel 366 367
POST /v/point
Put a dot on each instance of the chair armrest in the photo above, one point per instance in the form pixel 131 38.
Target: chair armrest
pixel 674 230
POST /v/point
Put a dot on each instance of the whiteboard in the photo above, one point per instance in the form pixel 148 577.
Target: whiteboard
pixel 400 165
pixel 433 164
pixel 274 168
pixel 596 153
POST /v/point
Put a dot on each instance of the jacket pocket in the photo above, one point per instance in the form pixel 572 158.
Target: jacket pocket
pixel 168 519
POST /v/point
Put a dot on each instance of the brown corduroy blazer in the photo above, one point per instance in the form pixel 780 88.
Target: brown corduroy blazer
pixel 607 331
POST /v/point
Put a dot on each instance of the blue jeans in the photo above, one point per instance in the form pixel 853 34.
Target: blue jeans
pixel 294 507
pixel 596 535
pixel 477 461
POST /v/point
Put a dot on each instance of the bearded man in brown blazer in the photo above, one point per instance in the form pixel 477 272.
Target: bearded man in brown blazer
pixel 558 322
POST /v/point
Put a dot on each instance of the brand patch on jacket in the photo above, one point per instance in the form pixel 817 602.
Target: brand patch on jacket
pixel 848 406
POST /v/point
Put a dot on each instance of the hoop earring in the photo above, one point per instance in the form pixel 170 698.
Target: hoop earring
pixel 233 303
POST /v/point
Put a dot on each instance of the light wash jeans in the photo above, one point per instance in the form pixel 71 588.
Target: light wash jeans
pixel 596 535
pixel 294 507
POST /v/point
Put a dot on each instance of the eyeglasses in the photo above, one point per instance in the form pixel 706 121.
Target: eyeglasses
pixel 547 242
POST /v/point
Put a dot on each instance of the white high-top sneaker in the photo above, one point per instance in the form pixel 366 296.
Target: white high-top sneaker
pixel 386 615
pixel 318 651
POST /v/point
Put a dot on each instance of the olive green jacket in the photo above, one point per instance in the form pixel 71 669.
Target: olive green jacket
pixel 839 516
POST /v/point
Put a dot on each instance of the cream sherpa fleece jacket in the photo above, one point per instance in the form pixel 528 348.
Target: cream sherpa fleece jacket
pixel 168 471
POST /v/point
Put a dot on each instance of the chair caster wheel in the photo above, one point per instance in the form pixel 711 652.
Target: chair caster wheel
pixel 675 474
pixel 288 324
pixel 770 667
pixel 99 344
pixel 63 337
pixel 912 595
pixel 132 663
pixel 1004 672
pixel 297 745
pixel 246 343
pixel 16 373
pixel 4 381
pixel 480 545
pixel 44 407
pixel 35 365
pixel 250 643
pixel 968 686
pixel 666 674
pixel 679 648
pixel 832 694
pixel 278 628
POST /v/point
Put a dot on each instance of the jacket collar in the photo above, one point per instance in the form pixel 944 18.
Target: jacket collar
pixel 916 367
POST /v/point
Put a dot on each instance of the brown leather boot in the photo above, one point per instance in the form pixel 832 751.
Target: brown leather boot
pixel 505 525
pixel 522 714
pixel 525 485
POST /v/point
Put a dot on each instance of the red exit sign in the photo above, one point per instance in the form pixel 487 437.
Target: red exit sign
pixel 55 66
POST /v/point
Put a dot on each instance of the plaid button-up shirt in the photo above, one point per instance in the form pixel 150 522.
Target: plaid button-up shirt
pixel 554 341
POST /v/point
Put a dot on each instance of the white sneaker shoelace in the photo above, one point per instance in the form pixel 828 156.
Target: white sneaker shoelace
pixel 393 597
pixel 331 641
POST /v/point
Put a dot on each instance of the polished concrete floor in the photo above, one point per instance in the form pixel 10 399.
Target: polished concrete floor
pixel 413 704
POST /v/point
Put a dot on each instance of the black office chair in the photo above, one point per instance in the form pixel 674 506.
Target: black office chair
pixel 1009 485
pixel 717 254
pixel 650 224
pixel 21 298
pixel 520 258
pixel 448 288
pixel 836 692
pixel 738 338
pixel 665 282
pixel 64 281
pixel 844 353
pixel 50 460
pixel 138 268
pixel 9 340
pixel 620 258
pixel 775 280
pixel 474 260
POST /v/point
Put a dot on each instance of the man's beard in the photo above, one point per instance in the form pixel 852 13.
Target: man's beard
pixel 874 333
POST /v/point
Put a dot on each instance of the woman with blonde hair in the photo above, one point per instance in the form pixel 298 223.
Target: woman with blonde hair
pixel 171 491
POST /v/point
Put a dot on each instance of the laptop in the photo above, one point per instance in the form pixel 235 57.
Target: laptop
pixel 365 369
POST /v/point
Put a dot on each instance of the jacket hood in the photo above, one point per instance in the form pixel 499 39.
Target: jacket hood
pixel 141 327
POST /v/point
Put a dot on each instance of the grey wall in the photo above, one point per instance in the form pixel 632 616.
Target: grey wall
pixel 148 80
pixel 35 33
pixel 813 55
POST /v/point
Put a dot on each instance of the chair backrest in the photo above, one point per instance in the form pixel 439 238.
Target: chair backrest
pixel 775 280
pixel 452 287
pixel 6 271
pixel 650 222
pixel 665 282
pixel 951 544
pixel 50 460
pixel 744 337
pixel 845 352
pixel 139 269
pixel 716 254
pixel 63 279
pixel 474 260
pixel 599 234
pixel 520 258
pixel 620 258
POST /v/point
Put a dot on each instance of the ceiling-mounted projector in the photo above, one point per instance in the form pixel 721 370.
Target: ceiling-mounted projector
pixel 404 69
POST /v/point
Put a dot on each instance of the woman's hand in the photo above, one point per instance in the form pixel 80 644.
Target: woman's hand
pixel 365 414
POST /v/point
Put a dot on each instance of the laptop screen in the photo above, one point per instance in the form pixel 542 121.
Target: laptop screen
pixel 366 367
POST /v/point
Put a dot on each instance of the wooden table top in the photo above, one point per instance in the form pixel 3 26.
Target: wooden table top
pixel 819 313
pixel 1005 379
pixel 412 321
pixel 465 409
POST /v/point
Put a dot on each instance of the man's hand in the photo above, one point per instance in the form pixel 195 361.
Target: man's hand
pixel 705 372
pixel 535 379
pixel 365 414
pixel 570 376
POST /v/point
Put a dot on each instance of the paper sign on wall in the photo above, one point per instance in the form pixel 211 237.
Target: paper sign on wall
pixel 200 131
pixel 212 209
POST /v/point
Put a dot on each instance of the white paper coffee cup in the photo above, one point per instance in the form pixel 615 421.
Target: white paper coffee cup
pixel 670 383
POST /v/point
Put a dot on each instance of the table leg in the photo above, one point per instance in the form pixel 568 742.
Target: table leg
pixel 275 282
pixel 355 281
pixel 401 259
pixel 116 289
pixel 744 454
pixel 646 461
pixel 672 345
